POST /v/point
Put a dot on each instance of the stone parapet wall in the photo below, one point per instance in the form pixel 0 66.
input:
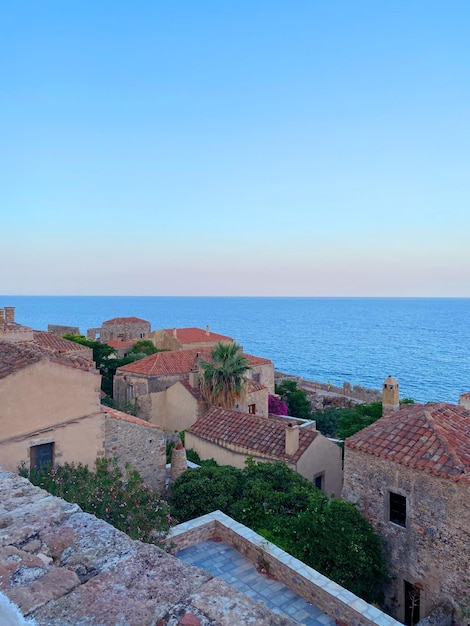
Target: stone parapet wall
pixel 65 567
pixel 60 331
pixel 322 395
pixel 328 596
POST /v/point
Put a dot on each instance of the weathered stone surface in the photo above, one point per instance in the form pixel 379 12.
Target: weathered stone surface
pixel 53 584
pixel 77 570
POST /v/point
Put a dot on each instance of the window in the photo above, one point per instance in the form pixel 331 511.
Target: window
pixel 41 455
pixel 397 509
pixel 319 481
pixel 130 393
pixel 256 377
pixel 252 409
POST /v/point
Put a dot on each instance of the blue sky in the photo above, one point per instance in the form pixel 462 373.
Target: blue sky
pixel 300 148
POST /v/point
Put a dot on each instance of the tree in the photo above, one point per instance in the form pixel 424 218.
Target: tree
pixel 342 423
pixel 287 509
pixel 145 347
pixel 223 379
pixel 297 400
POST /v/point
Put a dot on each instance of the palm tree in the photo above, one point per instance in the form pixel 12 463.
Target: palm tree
pixel 223 379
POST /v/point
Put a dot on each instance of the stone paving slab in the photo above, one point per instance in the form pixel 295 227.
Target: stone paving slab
pixel 226 563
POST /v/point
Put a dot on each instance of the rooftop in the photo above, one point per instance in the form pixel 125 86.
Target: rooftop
pixel 262 436
pixel 195 335
pixel 124 320
pixel 177 362
pixel 15 356
pixel 434 438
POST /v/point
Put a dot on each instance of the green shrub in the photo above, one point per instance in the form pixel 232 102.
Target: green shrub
pixel 119 498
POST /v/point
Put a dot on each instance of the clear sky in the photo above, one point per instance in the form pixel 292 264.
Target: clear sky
pixel 245 147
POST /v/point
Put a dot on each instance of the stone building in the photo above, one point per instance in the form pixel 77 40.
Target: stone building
pixel 152 383
pixel 230 437
pixel 409 473
pixel 50 411
pixel 120 329
pixel 187 338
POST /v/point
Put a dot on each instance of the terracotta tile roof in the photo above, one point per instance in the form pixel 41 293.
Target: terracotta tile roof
pixel 117 343
pixel 194 391
pixel 15 356
pixel 177 362
pixel 124 320
pixel 119 415
pixel 257 435
pixel 434 438
pixel 252 386
pixel 195 335
pixel 465 395
pixel 49 341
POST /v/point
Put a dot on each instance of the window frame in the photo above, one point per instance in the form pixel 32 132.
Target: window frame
pixel 397 509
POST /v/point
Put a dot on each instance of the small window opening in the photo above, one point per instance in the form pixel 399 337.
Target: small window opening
pixel 398 509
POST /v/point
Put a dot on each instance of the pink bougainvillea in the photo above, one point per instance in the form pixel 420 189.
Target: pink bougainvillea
pixel 277 405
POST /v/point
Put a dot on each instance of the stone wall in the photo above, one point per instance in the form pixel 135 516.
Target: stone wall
pixel 433 550
pixel 60 331
pixel 329 597
pixel 322 395
pixel 143 446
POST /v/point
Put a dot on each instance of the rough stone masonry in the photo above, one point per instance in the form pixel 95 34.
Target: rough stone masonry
pixel 64 567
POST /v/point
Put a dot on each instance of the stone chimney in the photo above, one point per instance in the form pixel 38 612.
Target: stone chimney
pixel 208 332
pixel 390 396
pixel 174 333
pixel 9 314
pixel 194 378
pixel 292 439
pixel 179 463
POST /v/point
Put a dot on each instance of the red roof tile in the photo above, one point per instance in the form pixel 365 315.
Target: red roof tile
pixel 124 320
pixel 178 362
pixel 15 356
pixel 195 335
pixel 431 437
pixel 49 341
pixel 118 343
pixel 263 436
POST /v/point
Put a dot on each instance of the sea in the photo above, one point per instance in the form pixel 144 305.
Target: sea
pixel 422 342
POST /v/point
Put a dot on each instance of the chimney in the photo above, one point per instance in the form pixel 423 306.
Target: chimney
pixel 2 316
pixel 194 378
pixel 390 396
pixel 9 314
pixel 292 439
pixel 179 463
pixel 208 332
pixel 174 332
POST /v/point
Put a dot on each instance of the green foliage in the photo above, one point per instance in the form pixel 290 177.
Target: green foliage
pixel 353 420
pixel 205 489
pixel 329 535
pixel 342 423
pixel 131 407
pixel 223 379
pixel 144 346
pixel 118 497
pixel 297 400
pixel 101 351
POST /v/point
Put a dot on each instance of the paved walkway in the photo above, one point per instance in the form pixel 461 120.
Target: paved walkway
pixel 226 563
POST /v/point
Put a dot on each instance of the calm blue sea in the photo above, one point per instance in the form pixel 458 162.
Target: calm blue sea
pixel 423 342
